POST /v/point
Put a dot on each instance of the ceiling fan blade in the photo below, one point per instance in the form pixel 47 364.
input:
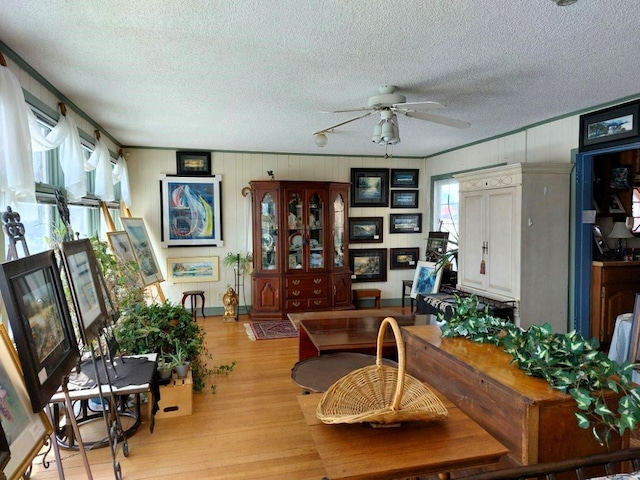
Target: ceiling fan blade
pixel 343 123
pixel 363 109
pixel 418 105
pixel 429 117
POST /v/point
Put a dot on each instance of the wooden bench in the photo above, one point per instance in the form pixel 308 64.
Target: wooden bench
pixel 359 294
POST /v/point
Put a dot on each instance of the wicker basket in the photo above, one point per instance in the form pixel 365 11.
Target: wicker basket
pixel 380 393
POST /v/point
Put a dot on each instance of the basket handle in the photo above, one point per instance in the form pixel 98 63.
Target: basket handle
pixel 401 356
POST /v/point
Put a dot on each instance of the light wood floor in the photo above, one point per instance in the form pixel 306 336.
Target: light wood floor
pixel 251 428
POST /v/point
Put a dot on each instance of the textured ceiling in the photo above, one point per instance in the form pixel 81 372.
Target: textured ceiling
pixel 254 75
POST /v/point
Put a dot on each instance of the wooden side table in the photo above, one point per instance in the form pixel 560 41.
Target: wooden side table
pixel 193 295
pixel 366 293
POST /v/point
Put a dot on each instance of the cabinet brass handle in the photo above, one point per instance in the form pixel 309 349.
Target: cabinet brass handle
pixel 296 304
pixel 296 282
pixel 317 302
pixel 296 293
pixel 317 281
pixel 317 291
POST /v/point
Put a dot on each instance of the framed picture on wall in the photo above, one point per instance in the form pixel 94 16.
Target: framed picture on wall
pixel 610 127
pixel 404 178
pixel 191 164
pixel 404 198
pixel 193 269
pixel 191 211
pixel 405 222
pixel 365 230
pixel 404 258
pixel 368 265
pixel 369 187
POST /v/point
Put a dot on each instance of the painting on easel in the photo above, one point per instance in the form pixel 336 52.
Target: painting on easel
pixel 143 250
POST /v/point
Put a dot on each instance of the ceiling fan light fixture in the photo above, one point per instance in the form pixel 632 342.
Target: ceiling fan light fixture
pixel 321 139
pixel 387 131
pixel 377 132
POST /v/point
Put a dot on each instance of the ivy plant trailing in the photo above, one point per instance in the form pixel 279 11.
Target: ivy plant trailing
pixel 569 362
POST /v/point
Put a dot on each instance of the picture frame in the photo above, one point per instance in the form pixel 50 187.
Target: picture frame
pixel 83 278
pixel 369 187
pixel 191 211
pixel 427 279
pixel 193 164
pixel 619 178
pixel 368 265
pixel 142 250
pixel 404 198
pixel 405 223
pixel 123 250
pixel 40 322
pixel 610 127
pixel 404 177
pixel 404 258
pixel 26 432
pixel 365 230
pixel 437 243
pixel 193 269
pixel 5 451
pixel 615 205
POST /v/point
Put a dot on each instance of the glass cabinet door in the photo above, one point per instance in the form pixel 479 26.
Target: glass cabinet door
pixel 338 231
pixel 268 253
pixel 295 231
pixel 316 232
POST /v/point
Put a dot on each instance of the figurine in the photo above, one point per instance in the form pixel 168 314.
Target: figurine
pixel 230 302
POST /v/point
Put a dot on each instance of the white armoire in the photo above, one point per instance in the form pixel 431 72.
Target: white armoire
pixel 514 239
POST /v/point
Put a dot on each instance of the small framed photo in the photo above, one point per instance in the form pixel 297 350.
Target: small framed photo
pixel 193 269
pixel 193 164
pixel 436 245
pixel 610 127
pixel 426 279
pixel 404 258
pixel 405 222
pixel 365 230
pixel 41 323
pixel 615 205
pixel 368 265
pixel 404 198
pixel 619 178
pixel 369 187
pixel 404 178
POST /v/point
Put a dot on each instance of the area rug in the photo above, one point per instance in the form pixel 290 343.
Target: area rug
pixel 270 329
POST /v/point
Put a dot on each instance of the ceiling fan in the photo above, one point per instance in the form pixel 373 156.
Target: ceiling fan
pixel 388 104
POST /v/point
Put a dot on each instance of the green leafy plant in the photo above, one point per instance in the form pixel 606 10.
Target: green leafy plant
pixel 242 260
pixel 569 362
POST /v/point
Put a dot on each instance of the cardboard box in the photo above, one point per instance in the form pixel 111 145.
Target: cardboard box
pixel 176 398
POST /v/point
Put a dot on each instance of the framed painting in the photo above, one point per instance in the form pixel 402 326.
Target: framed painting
pixel 193 269
pixel 368 265
pixel 40 322
pixel 405 222
pixel 610 127
pixel 142 250
pixel 615 205
pixel 404 177
pixel 426 279
pixel 369 187
pixel 365 230
pixel 83 278
pixel 191 211
pixel 25 432
pixel 404 198
pixel 122 249
pixel 437 243
pixel 404 258
pixel 5 452
pixel 193 164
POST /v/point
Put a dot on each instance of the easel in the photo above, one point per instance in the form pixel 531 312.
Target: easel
pixel 111 227
pixel 14 229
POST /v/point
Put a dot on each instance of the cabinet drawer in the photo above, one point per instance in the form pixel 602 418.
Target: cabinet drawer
pixel 301 293
pixel 313 281
pixel 621 275
pixel 305 304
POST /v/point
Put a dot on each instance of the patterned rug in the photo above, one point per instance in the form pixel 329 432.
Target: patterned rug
pixel 268 329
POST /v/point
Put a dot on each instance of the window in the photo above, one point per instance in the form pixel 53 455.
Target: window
pixel 635 211
pixel 445 207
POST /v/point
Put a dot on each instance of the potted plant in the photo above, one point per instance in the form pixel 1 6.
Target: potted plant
pixel 179 361
pixel 165 368
pixel 569 362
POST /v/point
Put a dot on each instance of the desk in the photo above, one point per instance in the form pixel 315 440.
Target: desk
pixel 134 369
pixel 361 452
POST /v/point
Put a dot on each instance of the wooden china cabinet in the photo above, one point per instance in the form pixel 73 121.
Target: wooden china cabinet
pixel 300 249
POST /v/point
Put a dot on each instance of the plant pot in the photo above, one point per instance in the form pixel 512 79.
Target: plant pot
pixel 181 370
pixel 164 373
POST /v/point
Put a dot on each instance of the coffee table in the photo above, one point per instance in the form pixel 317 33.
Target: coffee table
pixel 346 331
pixel 362 452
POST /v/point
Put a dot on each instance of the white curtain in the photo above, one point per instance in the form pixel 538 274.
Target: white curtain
pixel 16 166
pixel 121 174
pixel 100 160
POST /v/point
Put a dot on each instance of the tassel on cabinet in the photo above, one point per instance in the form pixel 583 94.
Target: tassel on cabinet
pixel 482 272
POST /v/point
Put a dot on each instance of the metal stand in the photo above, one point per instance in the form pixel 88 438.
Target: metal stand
pixel 76 429
pixel 14 229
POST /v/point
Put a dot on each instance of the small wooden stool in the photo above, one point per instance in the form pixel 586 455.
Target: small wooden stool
pixel 366 293
pixel 194 294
